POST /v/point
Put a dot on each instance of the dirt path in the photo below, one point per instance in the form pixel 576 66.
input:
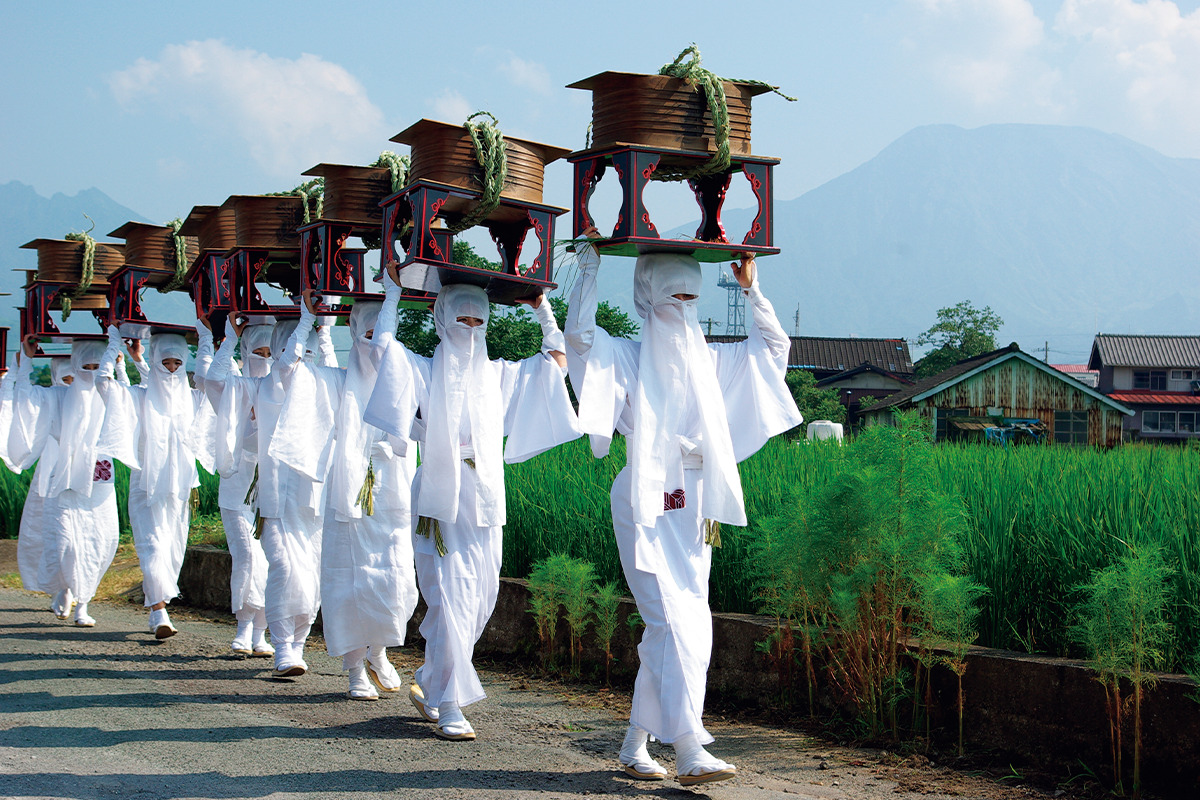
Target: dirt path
pixel 110 712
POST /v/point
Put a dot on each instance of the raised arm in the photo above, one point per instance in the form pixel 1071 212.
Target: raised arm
pixel 580 331
pixel 763 312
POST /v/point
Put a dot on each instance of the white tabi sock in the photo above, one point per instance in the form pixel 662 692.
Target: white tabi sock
pixel 636 757
pixel 385 673
pixel 451 719
pixel 82 619
pixel 692 759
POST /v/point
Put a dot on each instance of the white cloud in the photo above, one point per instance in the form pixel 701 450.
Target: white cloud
pixel 450 106
pixel 1148 53
pixel 289 113
pixel 984 50
pixel 527 74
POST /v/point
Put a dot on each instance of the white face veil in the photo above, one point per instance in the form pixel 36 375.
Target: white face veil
pixel 675 369
pixel 464 395
pixel 280 335
pixel 168 457
pixel 254 337
pixel 83 412
pixel 60 368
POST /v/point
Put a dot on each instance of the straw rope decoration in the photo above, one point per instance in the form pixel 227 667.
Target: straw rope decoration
pixel 87 271
pixel 490 152
pixel 181 262
pixel 314 191
pixel 718 109
pixel 397 164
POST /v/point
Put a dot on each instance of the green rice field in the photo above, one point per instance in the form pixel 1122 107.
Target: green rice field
pixel 1039 520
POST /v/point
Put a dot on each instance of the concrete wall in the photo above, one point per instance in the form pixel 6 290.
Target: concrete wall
pixel 1049 711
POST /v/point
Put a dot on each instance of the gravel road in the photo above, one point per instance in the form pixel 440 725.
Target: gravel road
pixel 110 712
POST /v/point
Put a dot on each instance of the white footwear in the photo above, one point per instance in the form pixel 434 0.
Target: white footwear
pixel 452 725
pixel 261 647
pixel 82 619
pixel 695 765
pixel 61 605
pixel 360 684
pixel 288 663
pixel 381 671
pixel 241 640
pixel 636 760
pixel 418 700
pixel 160 624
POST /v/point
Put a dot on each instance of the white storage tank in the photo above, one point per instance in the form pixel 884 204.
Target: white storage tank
pixel 822 429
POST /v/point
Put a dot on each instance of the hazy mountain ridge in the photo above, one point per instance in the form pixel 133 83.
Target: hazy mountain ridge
pixel 1062 231
pixel 25 215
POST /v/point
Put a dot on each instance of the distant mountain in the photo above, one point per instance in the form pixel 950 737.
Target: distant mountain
pixel 1064 232
pixel 25 215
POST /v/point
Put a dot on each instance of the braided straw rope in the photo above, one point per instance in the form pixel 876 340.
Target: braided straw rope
pixel 86 273
pixel 181 262
pixel 397 164
pixel 491 153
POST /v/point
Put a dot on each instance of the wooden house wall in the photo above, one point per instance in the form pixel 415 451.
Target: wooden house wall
pixel 1022 390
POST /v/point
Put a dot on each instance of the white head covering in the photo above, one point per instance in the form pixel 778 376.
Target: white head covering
pixel 676 369
pixel 280 335
pixel 354 437
pixel 254 337
pixel 72 463
pixel 168 454
pixel 59 369
pixel 462 380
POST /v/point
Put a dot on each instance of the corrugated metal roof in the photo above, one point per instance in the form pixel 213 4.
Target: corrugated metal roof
pixel 1072 367
pixel 1119 350
pixel 1156 398
pixel 835 354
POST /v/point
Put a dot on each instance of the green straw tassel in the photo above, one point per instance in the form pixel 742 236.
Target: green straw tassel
pixel 252 490
pixel 712 532
pixel 258 524
pixel 425 525
pixel 366 499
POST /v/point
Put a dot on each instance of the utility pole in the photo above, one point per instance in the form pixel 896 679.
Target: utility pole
pixel 1047 358
pixel 797 332
pixel 709 322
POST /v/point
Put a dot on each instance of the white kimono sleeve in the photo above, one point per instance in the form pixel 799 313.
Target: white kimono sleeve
pixel 538 414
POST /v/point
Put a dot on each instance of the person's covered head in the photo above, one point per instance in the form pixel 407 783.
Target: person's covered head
pixel 257 352
pixel 279 336
pixel 168 354
pixel 460 313
pixel 60 372
pixel 661 279
pixel 362 319
pixel 85 360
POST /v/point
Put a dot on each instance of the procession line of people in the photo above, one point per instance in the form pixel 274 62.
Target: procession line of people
pixel 344 489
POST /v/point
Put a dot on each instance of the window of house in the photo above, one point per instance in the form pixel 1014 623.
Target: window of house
pixel 1181 374
pixel 1070 427
pixel 1150 379
pixel 1187 422
pixel 1158 421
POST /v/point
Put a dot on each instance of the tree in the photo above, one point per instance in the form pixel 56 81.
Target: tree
pixel 962 331
pixel 814 403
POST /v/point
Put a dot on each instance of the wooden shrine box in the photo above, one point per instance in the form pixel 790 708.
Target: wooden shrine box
pixel 60 267
pixel 150 261
pixel 266 250
pixel 642 124
pixel 445 185
pixel 351 208
pixel 209 275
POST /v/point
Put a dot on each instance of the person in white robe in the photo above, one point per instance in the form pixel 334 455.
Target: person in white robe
pixel 287 504
pixel 174 424
pixel 690 412
pixel 467 405
pixel 74 431
pixel 368 584
pixel 248 573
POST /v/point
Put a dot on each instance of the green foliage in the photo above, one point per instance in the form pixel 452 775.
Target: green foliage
pixel 465 254
pixel 814 403
pixel 1123 626
pixel 605 604
pixel 562 582
pixel 962 331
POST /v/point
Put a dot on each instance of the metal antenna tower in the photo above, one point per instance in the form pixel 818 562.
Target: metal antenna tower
pixel 736 324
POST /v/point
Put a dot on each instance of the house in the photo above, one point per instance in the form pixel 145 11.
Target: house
pixel 1009 393
pixel 859 370
pixel 1081 373
pixel 1156 376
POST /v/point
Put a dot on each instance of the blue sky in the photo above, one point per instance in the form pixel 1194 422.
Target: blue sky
pixel 168 105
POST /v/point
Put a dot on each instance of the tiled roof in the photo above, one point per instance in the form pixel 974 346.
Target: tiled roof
pixel 830 354
pixel 1072 368
pixel 1116 350
pixel 1145 398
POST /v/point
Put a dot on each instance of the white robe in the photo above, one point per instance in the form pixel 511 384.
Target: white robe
pixel 460 587
pixel 368 583
pixel 68 537
pixel 667 564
